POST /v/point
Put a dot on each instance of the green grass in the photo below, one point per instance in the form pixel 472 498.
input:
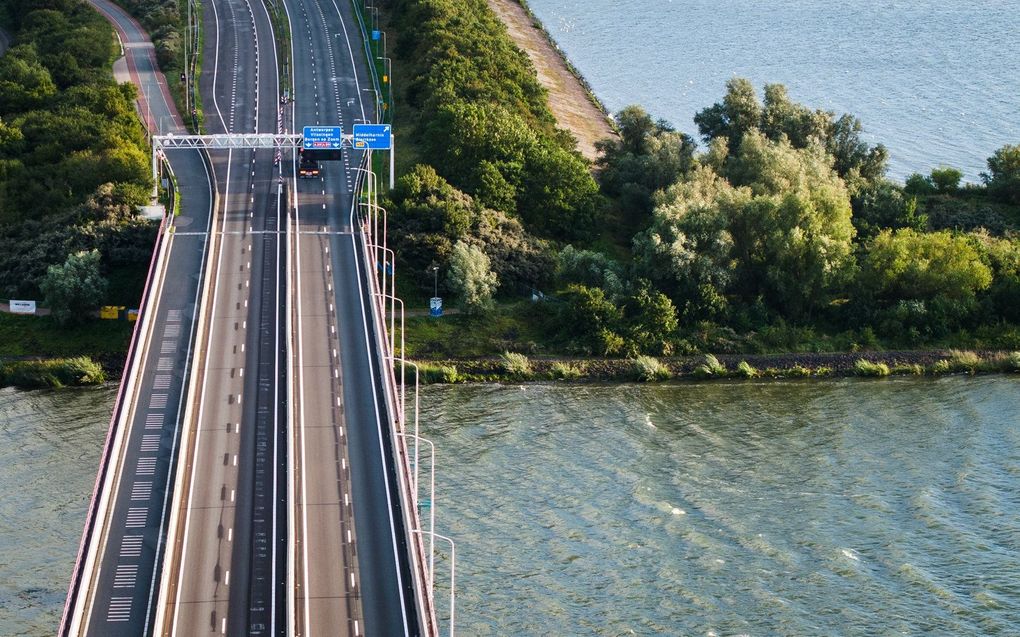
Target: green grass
pixel 41 336
pixel 54 373
pixel 459 336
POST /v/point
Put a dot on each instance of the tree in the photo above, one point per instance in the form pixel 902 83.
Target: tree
pixel 471 278
pixel 739 112
pixel 946 179
pixel 591 269
pixel 558 197
pixel 687 250
pixel 74 289
pixel 24 82
pixel 1003 176
pixel 651 320
pixel 883 204
pixel 587 318
pixel 908 265
pixel 793 240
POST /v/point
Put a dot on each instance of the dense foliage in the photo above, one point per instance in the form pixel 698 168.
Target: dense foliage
pixel 73 160
pixel 785 218
pixel 483 121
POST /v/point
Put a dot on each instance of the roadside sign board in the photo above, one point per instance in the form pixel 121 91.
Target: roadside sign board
pixel 372 136
pixel 22 307
pixel 436 306
pixel 321 137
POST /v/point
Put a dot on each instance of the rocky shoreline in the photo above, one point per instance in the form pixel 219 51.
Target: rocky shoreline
pixel 729 366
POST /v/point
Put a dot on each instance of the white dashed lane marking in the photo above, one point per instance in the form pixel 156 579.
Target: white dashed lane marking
pixel 136 517
pixel 131 546
pixel 141 491
pixel 120 609
pixel 146 466
pixel 124 576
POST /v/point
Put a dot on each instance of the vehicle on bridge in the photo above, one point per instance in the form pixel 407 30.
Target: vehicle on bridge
pixel 308 167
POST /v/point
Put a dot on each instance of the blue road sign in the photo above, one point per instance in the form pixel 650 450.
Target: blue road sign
pixel 376 34
pixel 322 137
pixel 436 306
pixel 372 136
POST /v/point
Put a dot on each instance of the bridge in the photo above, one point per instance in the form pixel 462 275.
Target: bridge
pixel 262 474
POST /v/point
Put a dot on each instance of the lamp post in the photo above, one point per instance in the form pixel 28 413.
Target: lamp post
pixel 388 79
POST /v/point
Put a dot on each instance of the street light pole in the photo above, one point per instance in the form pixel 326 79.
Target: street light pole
pixel 435 280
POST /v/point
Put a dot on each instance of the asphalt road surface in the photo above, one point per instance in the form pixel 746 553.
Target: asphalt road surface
pixel 228 566
pixel 357 568
pixel 117 591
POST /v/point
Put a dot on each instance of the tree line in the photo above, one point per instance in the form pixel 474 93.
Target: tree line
pixel 73 158
pixel 778 215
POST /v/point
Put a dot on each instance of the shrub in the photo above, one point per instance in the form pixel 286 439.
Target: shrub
pixel 745 370
pixel 710 368
pixel 946 179
pixel 867 368
pixel 798 371
pixel 942 366
pixel 911 369
pixel 1011 362
pixel 565 371
pixel 648 368
pixel 54 373
pixel 515 364
pixel 964 361
pixel 823 371
pixel 432 373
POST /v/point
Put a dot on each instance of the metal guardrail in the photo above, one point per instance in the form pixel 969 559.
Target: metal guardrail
pixel 74 588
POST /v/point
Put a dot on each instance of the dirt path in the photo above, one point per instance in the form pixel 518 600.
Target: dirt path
pixel 568 100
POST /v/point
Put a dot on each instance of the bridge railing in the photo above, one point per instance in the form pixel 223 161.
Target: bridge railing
pixel 99 504
pixel 419 558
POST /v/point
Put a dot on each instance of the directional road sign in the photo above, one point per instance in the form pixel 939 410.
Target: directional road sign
pixel 372 136
pixel 322 137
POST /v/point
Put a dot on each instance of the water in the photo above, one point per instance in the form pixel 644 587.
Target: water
pixel 839 507
pixel 937 82
pixel 49 452
pixel 816 508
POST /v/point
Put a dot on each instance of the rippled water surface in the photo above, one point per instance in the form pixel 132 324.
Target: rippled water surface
pixel 49 447
pixel 818 508
pixel 937 82
pixel 835 508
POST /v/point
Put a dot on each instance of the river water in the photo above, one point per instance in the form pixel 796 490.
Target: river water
pixel 838 507
pixel 49 451
pixel 937 82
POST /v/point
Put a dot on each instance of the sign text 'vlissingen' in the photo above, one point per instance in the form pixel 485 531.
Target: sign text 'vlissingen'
pixel 372 136
pixel 321 137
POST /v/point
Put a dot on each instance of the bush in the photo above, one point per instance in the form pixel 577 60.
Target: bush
pixel 565 371
pixel 1003 176
pixel 964 361
pixel 946 179
pixel 745 370
pixel 867 368
pixel 918 184
pixel 55 373
pixel 941 366
pixel 710 368
pixel 515 365
pixel 911 369
pixel 648 368
pixel 799 371
pixel 445 374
